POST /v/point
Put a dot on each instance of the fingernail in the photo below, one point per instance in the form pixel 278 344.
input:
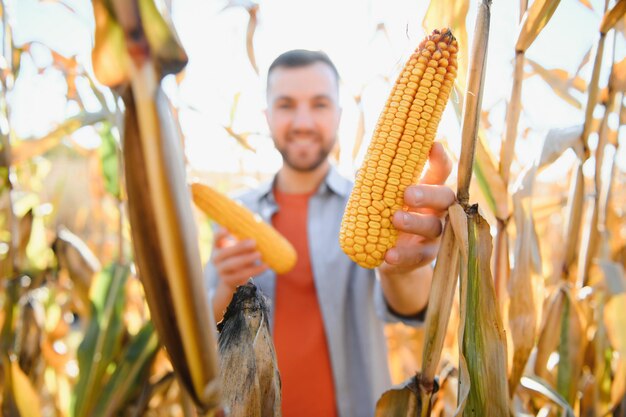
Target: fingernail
pixel 418 195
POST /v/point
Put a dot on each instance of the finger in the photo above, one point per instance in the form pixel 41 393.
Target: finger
pixel 239 262
pixel 242 276
pixel 439 166
pixel 425 225
pixel 235 249
pixel 223 238
pixel 435 197
pixel 412 256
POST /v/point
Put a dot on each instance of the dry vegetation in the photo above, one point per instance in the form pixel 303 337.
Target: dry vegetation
pixel 527 309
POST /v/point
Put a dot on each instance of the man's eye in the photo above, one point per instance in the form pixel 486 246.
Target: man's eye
pixel 321 105
pixel 284 106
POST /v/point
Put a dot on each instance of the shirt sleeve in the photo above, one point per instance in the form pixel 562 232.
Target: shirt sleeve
pixel 388 315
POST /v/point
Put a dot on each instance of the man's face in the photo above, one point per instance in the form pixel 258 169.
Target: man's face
pixel 303 114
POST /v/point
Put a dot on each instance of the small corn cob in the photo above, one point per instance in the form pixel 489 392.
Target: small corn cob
pixel 399 149
pixel 276 251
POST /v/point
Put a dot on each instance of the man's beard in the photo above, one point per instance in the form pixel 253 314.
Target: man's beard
pixel 293 163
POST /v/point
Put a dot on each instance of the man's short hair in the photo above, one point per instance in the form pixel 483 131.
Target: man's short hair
pixel 297 58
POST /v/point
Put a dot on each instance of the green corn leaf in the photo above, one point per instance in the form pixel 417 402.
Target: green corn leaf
pixel 110 161
pixel 134 360
pixel 102 338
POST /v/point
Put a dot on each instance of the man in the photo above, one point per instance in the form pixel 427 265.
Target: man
pixel 326 313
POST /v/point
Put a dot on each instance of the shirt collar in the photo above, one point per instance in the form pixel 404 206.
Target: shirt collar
pixel 333 182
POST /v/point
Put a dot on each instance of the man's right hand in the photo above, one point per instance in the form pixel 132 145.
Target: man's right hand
pixel 236 261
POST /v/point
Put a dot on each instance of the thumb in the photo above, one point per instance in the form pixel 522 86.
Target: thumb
pixel 439 166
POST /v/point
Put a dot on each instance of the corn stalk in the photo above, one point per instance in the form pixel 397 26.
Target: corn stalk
pixel 135 48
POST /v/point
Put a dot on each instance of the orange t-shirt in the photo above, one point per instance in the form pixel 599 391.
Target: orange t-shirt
pixel 299 337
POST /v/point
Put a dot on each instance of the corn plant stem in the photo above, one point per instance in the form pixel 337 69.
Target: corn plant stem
pixel 507 151
pixel 589 249
pixel 592 97
pixel 473 100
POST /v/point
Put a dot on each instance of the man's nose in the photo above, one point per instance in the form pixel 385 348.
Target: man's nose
pixel 303 119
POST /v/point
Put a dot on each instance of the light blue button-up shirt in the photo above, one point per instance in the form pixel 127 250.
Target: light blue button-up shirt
pixel 351 300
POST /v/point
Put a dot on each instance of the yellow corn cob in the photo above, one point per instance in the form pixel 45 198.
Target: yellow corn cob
pixel 399 149
pixel 275 250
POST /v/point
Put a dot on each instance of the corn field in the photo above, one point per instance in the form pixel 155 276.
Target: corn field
pixel 103 310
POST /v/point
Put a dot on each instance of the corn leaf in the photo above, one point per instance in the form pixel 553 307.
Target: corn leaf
pixel 533 22
pixel 573 217
pixel 513 111
pixel 615 322
pixel 442 293
pixel 110 161
pixel 572 342
pixel 399 401
pixel 484 342
pixel 26 149
pixel 102 339
pixel 165 47
pixel 561 82
pixel 250 30
pixel 26 398
pixel 613 16
pixel 25 227
pixel 136 357
pixel 164 237
pixel 540 386
pixel 522 310
pixel 110 60
pixel 548 339
pixel 593 92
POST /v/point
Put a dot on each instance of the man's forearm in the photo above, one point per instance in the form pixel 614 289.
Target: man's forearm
pixel 407 294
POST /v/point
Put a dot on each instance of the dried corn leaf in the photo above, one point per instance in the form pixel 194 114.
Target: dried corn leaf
pixel 593 92
pixel 24 150
pixel 513 111
pixel 110 60
pixel 613 16
pixel 573 218
pixel 484 342
pixel 571 349
pixel 252 22
pixel 540 386
pixel 533 22
pixel 615 322
pixel 441 296
pixel 401 401
pixel 561 82
pixel 166 49
pixel 164 238
pixel 548 336
pixel 522 312
pixel 489 180
pixel 29 334
pixel 26 398
pixel 360 128
pixel 25 226
pixel 613 277
pixel 557 141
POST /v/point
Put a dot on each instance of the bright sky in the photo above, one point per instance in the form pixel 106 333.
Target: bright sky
pixel 219 69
